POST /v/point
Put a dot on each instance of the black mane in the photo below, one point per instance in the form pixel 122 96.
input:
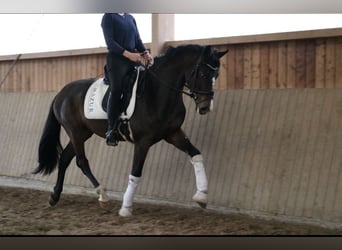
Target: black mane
pixel 174 51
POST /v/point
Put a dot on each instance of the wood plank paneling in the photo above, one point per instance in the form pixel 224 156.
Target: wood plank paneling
pixel 310 55
pixel 264 66
pixel 320 63
pixel 247 66
pixel 282 65
pixel 227 68
pixel 300 65
pixel 330 57
pixel 256 67
pixel 274 63
pixel 338 78
pixel 291 64
pixel 239 67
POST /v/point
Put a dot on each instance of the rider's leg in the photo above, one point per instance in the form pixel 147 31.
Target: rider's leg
pixel 117 68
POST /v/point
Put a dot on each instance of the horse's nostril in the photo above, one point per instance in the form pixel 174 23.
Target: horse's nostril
pixel 203 110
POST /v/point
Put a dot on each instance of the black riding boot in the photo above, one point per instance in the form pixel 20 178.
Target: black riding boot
pixel 112 135
pixel 106 78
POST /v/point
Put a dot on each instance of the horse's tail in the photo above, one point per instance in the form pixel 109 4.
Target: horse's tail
pixel 49 146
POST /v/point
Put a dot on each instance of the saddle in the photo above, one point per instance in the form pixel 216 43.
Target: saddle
pixel 95 103
pixel 127 91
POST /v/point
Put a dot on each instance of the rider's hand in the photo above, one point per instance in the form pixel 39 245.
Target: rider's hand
pixel 147 57
pixel 134 57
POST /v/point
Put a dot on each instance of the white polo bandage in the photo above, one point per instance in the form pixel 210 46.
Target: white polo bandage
pixel 129 194
pixel 201 177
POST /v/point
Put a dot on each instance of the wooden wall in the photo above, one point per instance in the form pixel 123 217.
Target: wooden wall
pixel 50 71
pixel 307 63
pixel 310 59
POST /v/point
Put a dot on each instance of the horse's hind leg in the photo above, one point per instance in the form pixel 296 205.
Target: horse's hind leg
pixel 180 140
pixel 66 156
pixel 83 164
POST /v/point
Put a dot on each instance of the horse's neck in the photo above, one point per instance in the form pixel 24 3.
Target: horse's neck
pixel 162 93
pixel 167 83
pixel 166 89
pixel 173 76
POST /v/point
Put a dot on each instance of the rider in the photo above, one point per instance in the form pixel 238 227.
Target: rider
pixel 125 49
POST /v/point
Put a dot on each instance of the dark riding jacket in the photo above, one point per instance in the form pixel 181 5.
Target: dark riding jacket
pixel 121 33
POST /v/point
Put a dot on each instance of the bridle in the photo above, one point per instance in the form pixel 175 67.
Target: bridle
pixel 196 71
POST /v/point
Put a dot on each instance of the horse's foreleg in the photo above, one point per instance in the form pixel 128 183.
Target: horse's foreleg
pixel 140 152
pixel 201 195
pixel 180 140
pixel 127 203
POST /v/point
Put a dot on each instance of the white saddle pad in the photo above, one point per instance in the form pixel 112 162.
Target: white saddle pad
pixel 93 100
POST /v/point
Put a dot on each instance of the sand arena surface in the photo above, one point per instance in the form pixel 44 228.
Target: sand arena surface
pixel 27 212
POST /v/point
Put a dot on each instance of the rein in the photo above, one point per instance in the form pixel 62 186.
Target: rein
pixel 191 94
pixel 194 72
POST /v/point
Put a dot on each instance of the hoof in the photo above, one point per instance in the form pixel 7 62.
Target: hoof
pixel 52 201
pixel 202 205
pixel 105 205
pixel 201 198
pixel 125 212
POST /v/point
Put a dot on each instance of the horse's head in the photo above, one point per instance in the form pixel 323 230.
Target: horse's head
pixel 201 79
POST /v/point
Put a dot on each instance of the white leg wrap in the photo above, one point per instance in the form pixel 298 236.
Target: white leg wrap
pixel 201 195
pixel 102 194
pixel 126 209
pixel 201 177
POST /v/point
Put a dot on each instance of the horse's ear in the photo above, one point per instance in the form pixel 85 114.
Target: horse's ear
pixel 222 53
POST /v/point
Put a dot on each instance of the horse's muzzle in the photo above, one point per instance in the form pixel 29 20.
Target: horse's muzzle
pixel 203 110
pixel 204 105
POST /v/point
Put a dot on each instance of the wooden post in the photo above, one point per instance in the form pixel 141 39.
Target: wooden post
pixel 162 31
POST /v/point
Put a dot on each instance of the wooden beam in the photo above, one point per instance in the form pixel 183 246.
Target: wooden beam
pixel 162 31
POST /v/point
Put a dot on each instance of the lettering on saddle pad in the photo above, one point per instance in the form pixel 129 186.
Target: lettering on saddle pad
pixel 92 102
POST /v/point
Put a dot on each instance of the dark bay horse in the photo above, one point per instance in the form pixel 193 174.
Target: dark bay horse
pixel 158 115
